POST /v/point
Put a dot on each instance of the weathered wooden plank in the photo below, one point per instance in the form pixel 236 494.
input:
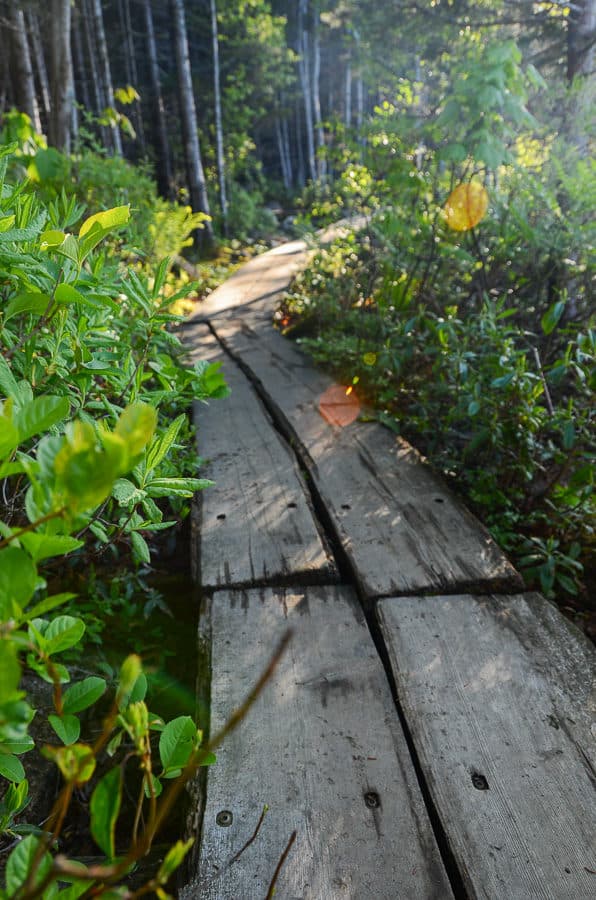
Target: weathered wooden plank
pixel 322 748
pixel 401 527
pixel 256 525
pixel 499 696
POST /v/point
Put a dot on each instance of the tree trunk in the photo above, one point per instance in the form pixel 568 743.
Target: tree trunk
pixel 23 78
pixel 300 149
pixel 40 65
pixel 106 72
pixel 285 132
pixel 316 97
pixel 165 178
pixel 130 64
pixel 581 38
pixel 79 64
pixel 194 164
pixel 98 97
pixel 221 162
pixel 304 70
pixel 60 124
pixel 285 171
pixel 348 96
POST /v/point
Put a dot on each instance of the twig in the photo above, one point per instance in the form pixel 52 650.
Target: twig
pixel 547 396
pixel 279 866
pixel 253 837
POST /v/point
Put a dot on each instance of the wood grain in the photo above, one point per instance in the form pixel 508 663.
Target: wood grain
pixel 401 527
pixel 322 748
pixel 499 696
pixel 256 525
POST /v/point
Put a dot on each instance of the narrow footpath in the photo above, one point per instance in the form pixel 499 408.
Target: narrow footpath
pixel 430 730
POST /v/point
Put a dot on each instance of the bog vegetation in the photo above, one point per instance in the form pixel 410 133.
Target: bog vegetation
pixel 462 315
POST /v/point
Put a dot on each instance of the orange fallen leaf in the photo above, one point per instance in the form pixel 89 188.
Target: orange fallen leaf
pixel 466 206
pixel 339 405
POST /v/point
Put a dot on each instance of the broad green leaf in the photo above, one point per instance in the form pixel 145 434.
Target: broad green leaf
pixel 83 694
pixel 32 302
pixel 11 768
pixel 176 743
pixel 41 414
pixel 173 859
pixel 47 605
pixel 68 728
pixel 105 807
pixel 62 633
pixel 136 426
pixel 110 218
pixel 551 318
pixel 65 294
pixel 568 435
pixel 140 547
pixel 43 546
pixel 19 865
pixel 8 384
pixel 76 762
pixel 503 380
pixel 125 492
pixel 154 785
pixel 18 746
pixel 10 670
pixel 51 239
pixel 18 580
pixel 70 249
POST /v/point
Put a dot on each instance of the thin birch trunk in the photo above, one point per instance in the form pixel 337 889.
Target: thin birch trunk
pixel 282 155
pixel 348 96
pixel 40 64
pixel 194 164
pixel 321 163
pixel 130 65
pixel 106 72
pixel 24 80
pixel 304 70
pixel 60 124
pixel 285 131
pixel 219 142
pixel 300 149
pixel 165 178
pixel 98 96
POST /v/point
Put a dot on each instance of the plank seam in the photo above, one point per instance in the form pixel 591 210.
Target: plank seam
pixel 348 574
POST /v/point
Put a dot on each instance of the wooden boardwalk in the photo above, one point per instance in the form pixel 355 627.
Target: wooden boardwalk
pixel 430 731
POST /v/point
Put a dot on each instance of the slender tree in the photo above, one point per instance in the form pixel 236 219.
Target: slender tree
pixel 39 62
pixel 24 81
pixel 62 88
pixel 219 142
pixel 105 71
pixel 165 178
pixel 196 177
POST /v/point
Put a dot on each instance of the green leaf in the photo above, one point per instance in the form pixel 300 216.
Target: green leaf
pixel 177 487
pixel 11 768
pixel 19 865
pixel 18 580
pixel 68 728
pixel 140 547
pixel 136 426
pixel 83 694
pixel 63 633
pixel 176 743
pixel 503 380
pixel 568 435
pixel 125 492
pixel 70 249
pixel 107 220
pixel 130 671
pixel 18 746
pixel 76 762
pixel 105 807
pixel 39 415
pixel 473 407
pixel 10 670
pixel 8 383
pixel 173 859
pixel 31 302
pixel 161 446
pixel 551 318
pixel 43 546
pixel 66 294
pixel 51 239
pixel 47 605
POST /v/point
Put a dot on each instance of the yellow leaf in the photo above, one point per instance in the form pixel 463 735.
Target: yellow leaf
pixel 466 206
